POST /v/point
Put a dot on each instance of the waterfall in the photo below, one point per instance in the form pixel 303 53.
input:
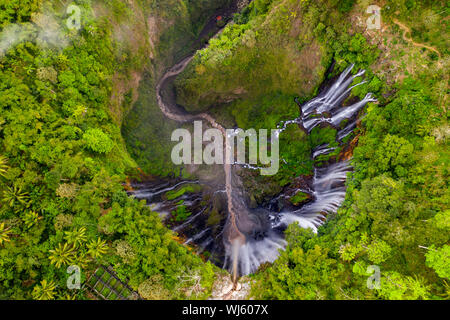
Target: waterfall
pixel 328 183
pixel 251 237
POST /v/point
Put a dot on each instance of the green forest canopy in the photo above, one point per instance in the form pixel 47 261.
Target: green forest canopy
pixel 63 162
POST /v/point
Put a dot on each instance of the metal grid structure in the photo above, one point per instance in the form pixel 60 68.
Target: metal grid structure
pixel 105 284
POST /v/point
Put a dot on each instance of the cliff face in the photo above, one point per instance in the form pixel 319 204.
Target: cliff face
pixel 149 35
pixel 152 35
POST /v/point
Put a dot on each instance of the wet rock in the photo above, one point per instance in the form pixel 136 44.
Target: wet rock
pixel 300 198
pixel 224 289
pixel 253 204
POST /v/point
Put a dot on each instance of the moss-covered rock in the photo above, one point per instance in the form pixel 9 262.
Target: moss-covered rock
pixel 187 188
pixel 300 198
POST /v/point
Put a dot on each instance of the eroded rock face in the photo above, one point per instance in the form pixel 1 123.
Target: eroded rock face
pixel 254 66
pixel 141 35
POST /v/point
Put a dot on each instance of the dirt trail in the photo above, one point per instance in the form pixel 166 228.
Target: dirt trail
pixel 406 30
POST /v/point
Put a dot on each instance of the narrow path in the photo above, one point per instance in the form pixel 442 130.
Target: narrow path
pixel 407 30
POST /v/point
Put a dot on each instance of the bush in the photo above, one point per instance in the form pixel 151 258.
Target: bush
pixel 97 141
pixel 153 288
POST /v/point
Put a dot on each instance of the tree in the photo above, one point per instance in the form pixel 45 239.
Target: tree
pixel 394 154
pixel 395 286
pixel 62 255
pixel 45 291
pixel 348 251
pixel 80 259
pixel 299 274
pixel 97 248
pixel 153 288
pixel 442 220
pixel 98 141
pixel 3 165
pixel 76 237
pixel 30 219
pixel 380 198
pixel 378 251
pixel 439 260
pixel 67 190
pixel 14 195
pixel 4 233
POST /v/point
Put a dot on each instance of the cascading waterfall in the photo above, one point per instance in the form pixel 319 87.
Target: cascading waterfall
pixel 251 237
pixel 148 192
pixel 328 182
pixel 329 193
pixel 314 111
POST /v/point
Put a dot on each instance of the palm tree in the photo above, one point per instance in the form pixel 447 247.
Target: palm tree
pixel 4 233
pixel 69 297
pixel 80 260
pixel 45 291
pixel 62 255
pixel 446 294
pixel 3 165
pixel 30 219
pixel 29 69
pixel 97 248
pixel 77 236
pixel 11 195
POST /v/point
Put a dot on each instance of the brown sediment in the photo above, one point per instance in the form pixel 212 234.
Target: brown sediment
pixel 347 152
pixel 127 186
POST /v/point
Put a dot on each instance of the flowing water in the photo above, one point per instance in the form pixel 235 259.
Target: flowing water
pixel 251 237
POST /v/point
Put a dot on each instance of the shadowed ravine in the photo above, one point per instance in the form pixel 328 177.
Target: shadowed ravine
pixel 251 237
pixel 233 234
